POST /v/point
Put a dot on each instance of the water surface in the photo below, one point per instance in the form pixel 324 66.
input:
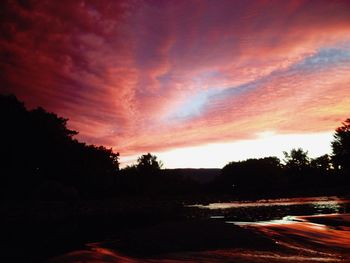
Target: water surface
pixel 280 230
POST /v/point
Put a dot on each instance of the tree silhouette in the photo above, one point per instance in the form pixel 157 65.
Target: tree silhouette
pixel 40 151
pixel 250 176
pixel 322 163
pixel 341 147
pixel 148 163
pixel 297 160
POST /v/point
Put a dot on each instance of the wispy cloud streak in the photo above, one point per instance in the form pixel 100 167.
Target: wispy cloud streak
pixel 154 75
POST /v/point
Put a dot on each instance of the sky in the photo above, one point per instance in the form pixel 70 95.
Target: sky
pixel 198 83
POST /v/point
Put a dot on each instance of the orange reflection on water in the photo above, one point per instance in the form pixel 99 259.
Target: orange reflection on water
pixel 321 235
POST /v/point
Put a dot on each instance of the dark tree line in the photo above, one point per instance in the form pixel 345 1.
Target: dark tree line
pixel 147 178
pixel 298 174
pixel 41 159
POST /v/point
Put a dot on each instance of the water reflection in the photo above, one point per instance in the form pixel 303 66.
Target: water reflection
pixel 334 206
pixel 283 221
pixel 273 209
pixel 294 229
pixel 332 203
pixel 322 235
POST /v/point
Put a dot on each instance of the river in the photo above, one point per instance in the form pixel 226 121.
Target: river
pixel 313 229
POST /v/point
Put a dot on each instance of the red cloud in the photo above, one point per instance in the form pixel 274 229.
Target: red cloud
pixel 120 70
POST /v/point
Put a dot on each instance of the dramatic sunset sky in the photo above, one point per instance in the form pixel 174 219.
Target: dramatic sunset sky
pixel 198 83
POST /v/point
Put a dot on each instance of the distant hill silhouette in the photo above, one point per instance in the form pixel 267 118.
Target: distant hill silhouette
pixel 200 175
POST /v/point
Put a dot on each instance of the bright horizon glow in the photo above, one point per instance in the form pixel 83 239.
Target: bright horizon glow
pixel 217 155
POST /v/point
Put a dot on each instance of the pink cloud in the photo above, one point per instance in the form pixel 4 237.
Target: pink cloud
pixel 152 75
